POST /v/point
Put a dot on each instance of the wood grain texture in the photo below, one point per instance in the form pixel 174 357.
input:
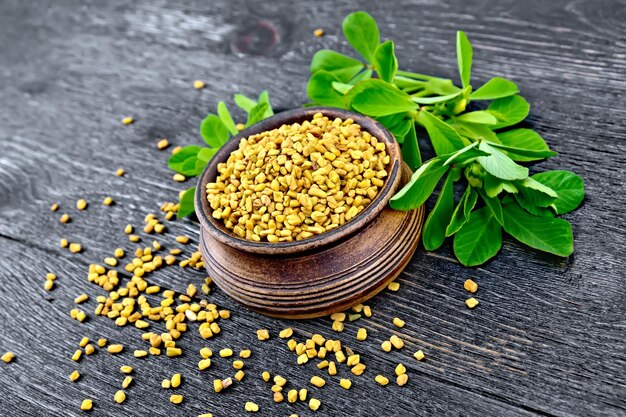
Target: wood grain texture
pixel 548 337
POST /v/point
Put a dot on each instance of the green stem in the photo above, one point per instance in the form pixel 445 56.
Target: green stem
pixel 415 75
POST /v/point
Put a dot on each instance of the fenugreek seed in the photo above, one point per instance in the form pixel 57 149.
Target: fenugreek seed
pixel 400 369
pixel 114 349
pixel 65 218
pixel 89 349
pixel 398 322
pixel 386 346
pixel 206 415
pixel 138 353
pixel 182 239
pixel 251 407
pixel 302 394
pixel 176 380
pixel 332 368
pixel 120 172
pixel 367 310
pixel 314 404
pixel 134 238
pixel 51 276
pixel 75 247
pixel 278 397
pixel 206 353
pixel 49 285
pixel 225 353
pixel 393 286
pixel 262 334
pixel 470 286
pixel 127 381
pixel 119 253
pixel 102 342
pixel 239 375
pixel 166 383
pixel 246 353
pixel 8 357
pixel 81 204
pixel 86 405
pixel 317 381
pixel 162 144
pixel 75 357
pixel 172 352
pixel 401 380
pixel 54 207
pixel 128 229
pixel 127 120
pixel 204 364
pixel 174 152
pixel 361 334
pixel 471 302
pixel 217 385
pixel 240 126
pixel 198 85
pixel 126 369
pixel 176 398
pixel 238 364
pixel 285 333
pixel 338 326
pixel 345 383
pixel 266 376
pixel 381 380
pixel 338 316
pixel 64 243
pixel 396 342
pixel 179 178
pixel 74 376
pixel 280 381
pixel 119 397
pixel 318 32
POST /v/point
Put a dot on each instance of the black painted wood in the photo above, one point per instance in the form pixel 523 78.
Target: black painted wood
pixel 548 337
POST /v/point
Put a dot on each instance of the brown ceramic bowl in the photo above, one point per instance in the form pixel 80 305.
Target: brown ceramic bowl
pixel 327 272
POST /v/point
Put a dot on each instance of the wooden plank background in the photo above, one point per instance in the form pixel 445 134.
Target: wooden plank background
pixel 548 337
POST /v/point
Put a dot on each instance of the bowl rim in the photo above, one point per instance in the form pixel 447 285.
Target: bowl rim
pixel 219 231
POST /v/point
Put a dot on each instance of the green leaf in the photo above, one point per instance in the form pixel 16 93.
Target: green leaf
pixel 244 102
pixel 499 165
pixel 523 138
pixel 492 185
pixel 340 65
pixel 478 117
pixel 200 165
pixel 189 167
pixel 420 187
pixel 410 151
pixel 435 227
pixel 437 99
pixel 256 114
pixel 475 131
pixel 320 90
pixel 342 88
pixel 445 138
pixel 213 131
pixel 362 76
pixel 494 205
pixel 509 111
pixel 465 155
pixel 568 186
pixel 385 61
pixel 495 88
pixel 186 206
pixel 548 234
pixel 205 154
pixel 479 239
pixel 176 161
pixel 378 98
pixel 515 153
pixel 361 31
pixel 264 97
pixel 441 86
pixel 464 57
pixel 462 211
pixel 226 118
pixel 398 124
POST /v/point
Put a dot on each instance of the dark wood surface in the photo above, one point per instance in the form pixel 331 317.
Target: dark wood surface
pixel 548 336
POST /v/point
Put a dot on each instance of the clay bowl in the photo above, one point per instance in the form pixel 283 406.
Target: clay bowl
pixel 326 273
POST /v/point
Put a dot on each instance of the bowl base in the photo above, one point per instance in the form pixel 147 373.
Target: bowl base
pixel 319 282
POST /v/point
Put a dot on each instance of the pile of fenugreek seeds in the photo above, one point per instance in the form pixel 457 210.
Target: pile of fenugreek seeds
pixel 299 180
pixel 289 183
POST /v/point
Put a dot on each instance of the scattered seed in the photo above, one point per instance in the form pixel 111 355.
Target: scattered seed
pixel 239 375
pixel 86 405
pixel 396 342
pixel 176 380
pixel 302 394
pixel 386 346
pixel 81 298
pixel 204 364
pixel 238 364
pixel 127 120
pixel 81 204
pixel 179 178
pixel 266 376
pixel 262 334
pixel 182 239
pixel 361 334
pixel 338 316
pixel 8 357
pixel 74 376
pixel 75 247
pixel 318 381
pixel 176 398
pixel 398 322
pixel 367 310
pixel 381 380
pixel 419 355
pixel 225 353
pixel 400 369
pixel 119 397
pixel 401 380
pixel 89 349
pixel 198 85
pixel 126 369
pixel 120 172
pixel 246 353
pixel 345 383
pixel 286 333
pixel 127 381
pixel 76 356
pixel 54 207
pixel 65 218
pixel 393 286
pixel 471 302
pixel 102 342
pixel 166 383
pixel 49 285
pixel 251 407
pixel 107 201
pixel 64 243
pixel 318 32
pixel 314 404
pixel 162 144
pixel 114 349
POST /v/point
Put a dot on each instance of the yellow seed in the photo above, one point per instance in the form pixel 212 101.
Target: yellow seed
pixel 262 334
pixel 75 357
pixel 278 397
pixel 127 381
pixel 162 144
pixel 317 381
pixel 470 286
pixel 176 379
pixel 206 415
pixel 204 364
pixel 172 352
pixel 128 229
pixel 108 201
pixel 49 285
pixel 279 380
pixel 75 247
pixel 89 349
pixel 138 353
pixel 134 238
pixel 119 397
pixel 367 310
pixel 206 353
pixel 119 253
pixel 65 218
pixel 176 398
pixel 102 342
pixel 81 298
pixel 8 357
pixel 176 150
pixel 302 394
pixel 217 385
pixel 74 376
pixel 393 286
pixel 114 349
pixel 337 326
pixel 51 276
pixel 332 368
pixel 398 322
pixel 238 364
pixel 54 207
pixel 266 376
pixel 318 32
pixel 251 407
pixel 292 396
pixel 285 333
pixel 471 302
pixel 225 353
pixel 245 353
pixel 166 383
pixel 240 126
pixel 64 243
pixel 239 375
pixel 419 355
pixel 396 342
pixel 120 172
pixel 126 369
pixel 179 178
pixel 386 346
pixel 127 120
pixel 381 380
pixel 401 380
pixel 198 85
pixel 400 369
pixel 86 405
pixel 81 204
pixel 314 404
pixel 338 316
pixel 361 334
pixel 182 239
pixel 345 383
